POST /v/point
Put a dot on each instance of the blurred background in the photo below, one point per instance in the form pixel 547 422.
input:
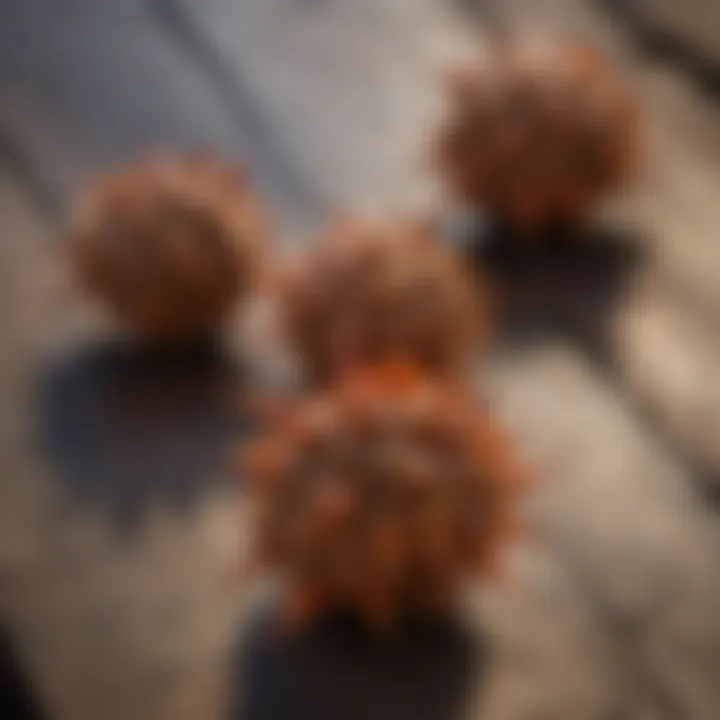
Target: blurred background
pixel 118 527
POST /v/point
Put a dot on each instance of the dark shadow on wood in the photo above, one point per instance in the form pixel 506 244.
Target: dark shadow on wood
pixel 570 286
pixel 17 701
pixel 127 428
pixel 659 43
pixel 567 284
pixel 334 670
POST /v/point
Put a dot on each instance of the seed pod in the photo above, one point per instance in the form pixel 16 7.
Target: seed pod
pixel 168 244
pixel 373 292
pixel 537 133
pixel 389 518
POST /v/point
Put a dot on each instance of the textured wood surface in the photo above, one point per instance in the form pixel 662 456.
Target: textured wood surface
pixel 117 520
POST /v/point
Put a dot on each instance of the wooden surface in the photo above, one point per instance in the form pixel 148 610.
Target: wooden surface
pixel 116 552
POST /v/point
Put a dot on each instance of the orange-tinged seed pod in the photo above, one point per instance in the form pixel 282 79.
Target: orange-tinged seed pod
pixel 379 291
pixel 537 133
pixel 169 244
pixel 383 516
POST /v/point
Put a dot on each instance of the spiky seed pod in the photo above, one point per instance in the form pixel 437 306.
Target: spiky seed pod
pixel 537 133
pixel 372 291
pixel 168 244
pixel 384 494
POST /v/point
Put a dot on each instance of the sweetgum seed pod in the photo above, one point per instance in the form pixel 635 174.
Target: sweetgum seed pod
pixel 169 244
pixel 390 520
pixel 537 133
pixel 374 292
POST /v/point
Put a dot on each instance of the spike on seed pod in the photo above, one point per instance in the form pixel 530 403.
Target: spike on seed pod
pixel 169 244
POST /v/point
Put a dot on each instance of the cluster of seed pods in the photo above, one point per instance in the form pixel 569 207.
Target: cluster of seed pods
pixel 385 488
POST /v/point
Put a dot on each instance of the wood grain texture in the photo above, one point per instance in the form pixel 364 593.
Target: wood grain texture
pixel 118 589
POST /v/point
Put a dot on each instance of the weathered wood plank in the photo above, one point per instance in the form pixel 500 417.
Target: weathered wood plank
pixel 665 339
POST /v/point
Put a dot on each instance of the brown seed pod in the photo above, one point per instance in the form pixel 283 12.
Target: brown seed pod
pixel 383 495
pixel 369 292
pixel 537 133
pixel 168 244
